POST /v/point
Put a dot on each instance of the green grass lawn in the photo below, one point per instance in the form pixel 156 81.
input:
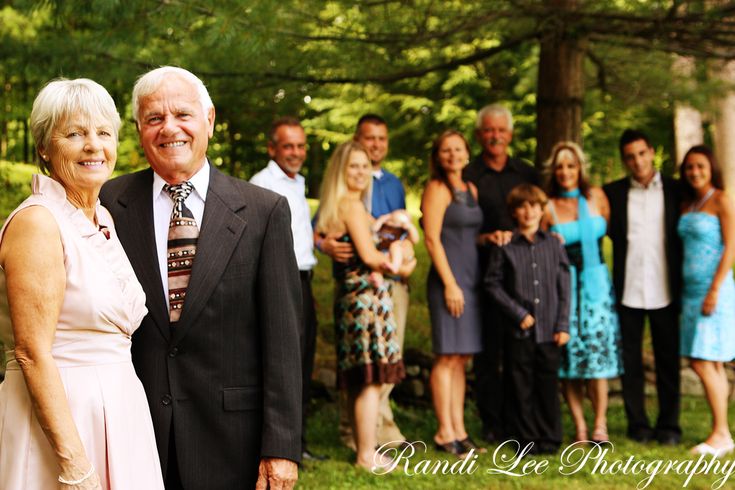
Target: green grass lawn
pixel 419 425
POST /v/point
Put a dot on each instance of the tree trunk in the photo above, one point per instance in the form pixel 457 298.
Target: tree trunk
pixel 560 92
pixel 688 129
pixel 724 129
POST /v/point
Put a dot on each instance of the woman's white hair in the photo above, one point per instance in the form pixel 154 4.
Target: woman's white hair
pixel 149 82
pixel 494 110
pixel 62 98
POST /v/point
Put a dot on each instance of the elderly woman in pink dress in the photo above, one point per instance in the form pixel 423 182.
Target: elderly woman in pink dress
pixel 73 414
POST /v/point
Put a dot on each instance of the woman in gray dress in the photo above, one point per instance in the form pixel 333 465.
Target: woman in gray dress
pixel 452 220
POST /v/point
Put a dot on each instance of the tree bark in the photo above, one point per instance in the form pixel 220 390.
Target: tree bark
pixel 688 129
pixel 724 128
pixel 560 92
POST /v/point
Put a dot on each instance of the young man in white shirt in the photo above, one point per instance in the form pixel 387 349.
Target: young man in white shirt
pixel 647 278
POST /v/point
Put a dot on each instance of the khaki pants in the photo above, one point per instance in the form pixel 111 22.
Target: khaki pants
pixel 387 429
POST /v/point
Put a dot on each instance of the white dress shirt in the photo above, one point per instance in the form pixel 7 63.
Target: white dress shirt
pixel 273 178
pixel 163 205
pixel 646 272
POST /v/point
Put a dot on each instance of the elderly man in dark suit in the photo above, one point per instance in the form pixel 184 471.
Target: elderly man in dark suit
pixel 644 211
pixel 218 353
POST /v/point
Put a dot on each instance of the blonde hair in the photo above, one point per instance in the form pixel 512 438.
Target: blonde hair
pixel 334 187
pixel 60 99
pixel 567 148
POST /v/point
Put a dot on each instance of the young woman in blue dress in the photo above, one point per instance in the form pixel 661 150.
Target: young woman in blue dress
pixel 578 213
pixel 707 230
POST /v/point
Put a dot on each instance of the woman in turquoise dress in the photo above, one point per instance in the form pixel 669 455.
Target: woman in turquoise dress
pixel 578 213
pixel 707 231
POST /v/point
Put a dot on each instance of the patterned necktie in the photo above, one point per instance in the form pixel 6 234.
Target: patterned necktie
pixel 182 245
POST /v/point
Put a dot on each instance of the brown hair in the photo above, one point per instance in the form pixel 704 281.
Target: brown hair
pixel 525 193
pixel 436 172
pixel 714 166
pixel 282 121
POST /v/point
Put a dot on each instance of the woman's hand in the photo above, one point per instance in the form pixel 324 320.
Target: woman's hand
pixel 90 483
pixel 710 303
pixel 454 299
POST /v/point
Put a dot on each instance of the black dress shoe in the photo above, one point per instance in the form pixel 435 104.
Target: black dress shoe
pixel 642 435
pixel 307 455
pixel 490 437
pixel 668 438
pixel 547 448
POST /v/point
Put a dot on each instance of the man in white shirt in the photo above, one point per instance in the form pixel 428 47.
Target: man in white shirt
pixel 647 277
pixel 287 149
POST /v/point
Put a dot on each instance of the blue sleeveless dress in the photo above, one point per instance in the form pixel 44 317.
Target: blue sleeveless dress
pixel 594 349
pixel 710 337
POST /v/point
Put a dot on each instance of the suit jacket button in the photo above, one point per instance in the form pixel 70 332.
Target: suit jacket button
pixel 173 352
pixel 166 399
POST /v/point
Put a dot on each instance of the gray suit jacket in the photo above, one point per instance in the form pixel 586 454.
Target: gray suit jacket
pixel 227 379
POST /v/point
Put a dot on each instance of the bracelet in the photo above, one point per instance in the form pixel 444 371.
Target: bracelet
pixel 86 476
pixel 318 244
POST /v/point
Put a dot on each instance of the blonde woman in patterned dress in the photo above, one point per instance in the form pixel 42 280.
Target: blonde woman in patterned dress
pixel 367 352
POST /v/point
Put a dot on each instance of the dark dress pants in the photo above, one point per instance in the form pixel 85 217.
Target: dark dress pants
pixel 308 347
pixel 665 337
pixel 492 385
pixel 534 375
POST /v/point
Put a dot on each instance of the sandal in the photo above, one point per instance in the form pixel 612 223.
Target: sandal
pixel 468 444
pixel 707 450
pixel 451 447
pixel 600 435
pixel 581 435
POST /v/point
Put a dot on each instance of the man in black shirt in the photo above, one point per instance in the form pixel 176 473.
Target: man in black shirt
pixel 495 173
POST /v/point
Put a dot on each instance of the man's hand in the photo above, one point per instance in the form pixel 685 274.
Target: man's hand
pixel 527 322
pixel 277 474
pixel 561 338
pixel 339 251
pixel 497 237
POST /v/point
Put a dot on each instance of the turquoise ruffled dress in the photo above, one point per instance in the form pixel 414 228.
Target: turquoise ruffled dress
pixel 594 349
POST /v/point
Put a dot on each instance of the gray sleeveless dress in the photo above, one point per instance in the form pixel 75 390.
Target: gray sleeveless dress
pixel 463 335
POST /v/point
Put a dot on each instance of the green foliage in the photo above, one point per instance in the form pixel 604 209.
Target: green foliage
pixel 424 65
pixel 15 186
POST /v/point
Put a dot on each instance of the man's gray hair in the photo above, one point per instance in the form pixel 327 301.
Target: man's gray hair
pixel 494 110
pixel 149 83
pixel 63 98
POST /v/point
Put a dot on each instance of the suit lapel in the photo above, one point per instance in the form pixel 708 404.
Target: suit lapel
pixel 140 244
pixel 671 206
pixel 220 233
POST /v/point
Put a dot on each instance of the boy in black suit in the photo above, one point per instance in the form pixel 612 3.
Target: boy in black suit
pixel 529 280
